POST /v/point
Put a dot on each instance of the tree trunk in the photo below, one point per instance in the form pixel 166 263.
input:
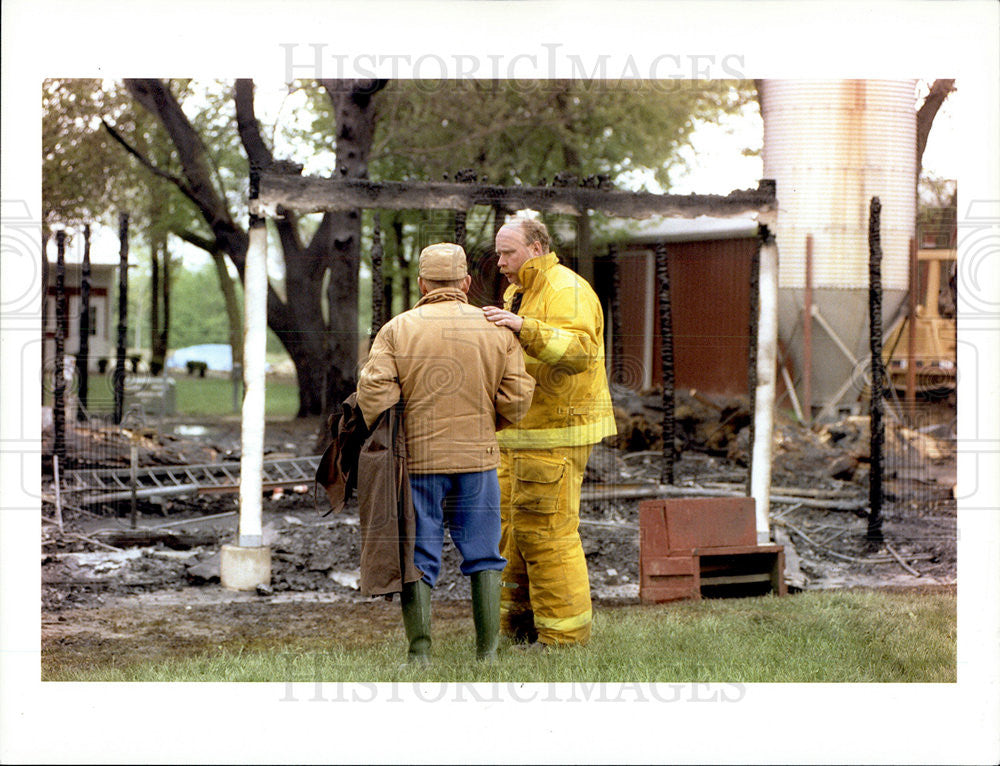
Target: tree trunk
pixel 157 355
pixel 939 91
pixel 165 330
pixel 340 241
pixel 159 339
pixel 402 265
pixel 235 321
pixel 301 328
pixel 325 355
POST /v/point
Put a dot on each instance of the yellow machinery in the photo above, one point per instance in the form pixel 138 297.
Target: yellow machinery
pixel 932 336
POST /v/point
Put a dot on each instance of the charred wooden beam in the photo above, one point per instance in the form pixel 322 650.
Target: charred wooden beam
pixel 45 298
pixel 59 385
pixel 807 343
pixel 378 280
pixel 617 326
pixel 178 541
pixel 401 269
pixel 307 194
pixel 752 351
pixel 877 404
pixel 119 375
pixel 666 361
pixel 83 352
pixel 460 222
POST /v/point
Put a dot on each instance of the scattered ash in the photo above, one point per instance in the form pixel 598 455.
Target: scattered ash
pixel 317 553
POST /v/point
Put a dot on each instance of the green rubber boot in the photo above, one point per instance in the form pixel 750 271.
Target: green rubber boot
pixel 486 613
pixel 416 600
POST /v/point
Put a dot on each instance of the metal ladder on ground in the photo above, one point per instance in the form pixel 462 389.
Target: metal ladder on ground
pixel 110 485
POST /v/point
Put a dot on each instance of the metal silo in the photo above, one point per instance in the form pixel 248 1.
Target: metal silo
pixel 832 145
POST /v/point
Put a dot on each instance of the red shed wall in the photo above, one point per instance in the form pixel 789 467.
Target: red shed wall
pixel 710 300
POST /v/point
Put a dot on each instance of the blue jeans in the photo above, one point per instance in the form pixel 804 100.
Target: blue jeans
pixel 469 505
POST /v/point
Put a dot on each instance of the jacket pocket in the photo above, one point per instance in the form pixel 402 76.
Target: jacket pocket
pixel 536 484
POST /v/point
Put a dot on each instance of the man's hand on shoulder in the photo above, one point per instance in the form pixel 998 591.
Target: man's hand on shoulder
pixel 503 318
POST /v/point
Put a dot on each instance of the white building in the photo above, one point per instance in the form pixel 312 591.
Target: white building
pixel 103 277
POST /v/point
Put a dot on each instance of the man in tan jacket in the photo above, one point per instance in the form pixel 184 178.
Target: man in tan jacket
pixel 461 379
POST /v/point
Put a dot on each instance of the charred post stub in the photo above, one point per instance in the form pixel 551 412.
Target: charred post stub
pixel 877 404
pixel 460 219
pixel 498 284
pixel 499 214
pixel 617 341
pixel 378 280
pixel 666 362
pixel 84 349
pixel 59 378
pixel 119 374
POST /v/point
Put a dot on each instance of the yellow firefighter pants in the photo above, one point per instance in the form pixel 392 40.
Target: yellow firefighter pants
pixel 546 587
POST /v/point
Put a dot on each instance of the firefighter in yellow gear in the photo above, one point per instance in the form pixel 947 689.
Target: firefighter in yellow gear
pixel 559 323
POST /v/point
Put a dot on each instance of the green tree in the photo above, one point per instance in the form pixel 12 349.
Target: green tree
pixel 85 178
pixel 528 131
pixel 324 351
pixel 201 141
pixel 199 314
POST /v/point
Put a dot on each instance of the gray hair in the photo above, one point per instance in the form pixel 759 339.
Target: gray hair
pixel 533 230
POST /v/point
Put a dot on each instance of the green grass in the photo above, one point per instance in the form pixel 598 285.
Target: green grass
pixel 843 636
pixel 206 396
pixel 214 396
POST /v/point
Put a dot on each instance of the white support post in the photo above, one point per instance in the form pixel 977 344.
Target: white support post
pixel 764 396
pixel 254 343
pixel 247 565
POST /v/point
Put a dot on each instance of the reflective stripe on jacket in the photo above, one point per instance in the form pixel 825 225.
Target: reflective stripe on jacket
pixel 563 341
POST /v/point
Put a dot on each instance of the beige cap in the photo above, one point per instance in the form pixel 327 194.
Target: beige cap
pixel 443 262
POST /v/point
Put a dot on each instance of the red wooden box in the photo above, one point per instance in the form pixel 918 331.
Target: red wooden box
pixel 694 547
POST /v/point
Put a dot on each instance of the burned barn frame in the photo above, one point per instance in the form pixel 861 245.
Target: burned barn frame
pixel 272 191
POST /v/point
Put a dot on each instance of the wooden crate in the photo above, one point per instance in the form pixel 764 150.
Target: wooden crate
pixel 695 547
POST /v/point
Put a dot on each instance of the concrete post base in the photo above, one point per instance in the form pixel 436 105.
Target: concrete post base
pixel 244 568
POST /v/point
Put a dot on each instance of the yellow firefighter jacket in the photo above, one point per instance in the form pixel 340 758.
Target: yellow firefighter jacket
pixel 460 378
pixel 563 342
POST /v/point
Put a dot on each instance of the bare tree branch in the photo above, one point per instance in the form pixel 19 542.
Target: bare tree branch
pixel 261 158
pixel 939 91
pixel 146 163
pixel 246 123
pixel 157 98
pixel 206 244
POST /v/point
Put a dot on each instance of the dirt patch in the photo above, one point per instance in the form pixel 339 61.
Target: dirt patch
pixel 160 626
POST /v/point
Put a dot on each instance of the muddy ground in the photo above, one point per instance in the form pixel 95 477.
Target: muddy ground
pixel 99 600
